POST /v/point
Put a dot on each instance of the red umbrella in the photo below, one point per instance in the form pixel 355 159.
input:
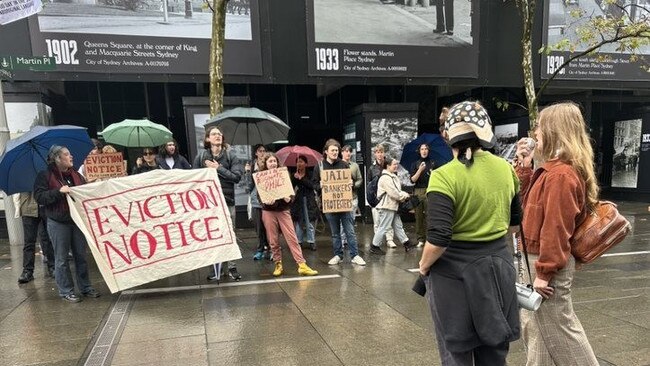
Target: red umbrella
pixel 288 155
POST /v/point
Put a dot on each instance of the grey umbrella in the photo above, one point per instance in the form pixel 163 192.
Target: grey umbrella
pixel 249 126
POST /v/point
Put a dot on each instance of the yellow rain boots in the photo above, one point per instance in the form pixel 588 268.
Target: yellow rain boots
pixel 304 270
pixel 278 269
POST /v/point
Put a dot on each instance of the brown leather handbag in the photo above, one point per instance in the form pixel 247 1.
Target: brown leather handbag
pixel 603 228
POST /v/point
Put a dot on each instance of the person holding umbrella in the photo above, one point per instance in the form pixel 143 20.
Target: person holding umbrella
pixel 50 190
pixel 169 158
pixel 230 171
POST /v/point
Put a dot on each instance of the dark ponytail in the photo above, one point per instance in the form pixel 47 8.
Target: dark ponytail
pixel 466 149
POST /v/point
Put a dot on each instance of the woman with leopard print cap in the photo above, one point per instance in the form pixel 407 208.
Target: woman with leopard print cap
pixel 466 265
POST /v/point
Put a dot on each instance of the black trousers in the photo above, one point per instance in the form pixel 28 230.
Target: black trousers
pixel 259 229
pixel 33 227
pixel 445 21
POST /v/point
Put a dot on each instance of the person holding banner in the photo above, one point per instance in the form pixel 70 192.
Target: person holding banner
pixel 335 219
pixel 169 158
pixel 275 215
pixel 50 190
pixel 146 162
pixel 230 171
pixel 304 210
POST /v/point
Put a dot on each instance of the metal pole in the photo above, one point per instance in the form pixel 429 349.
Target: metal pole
pixel 14 226
pixel 165 15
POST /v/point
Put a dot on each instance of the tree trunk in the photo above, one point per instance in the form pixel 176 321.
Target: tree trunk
pixel 527 8
pixel 216 56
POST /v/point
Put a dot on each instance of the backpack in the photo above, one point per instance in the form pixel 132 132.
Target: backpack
pixel 598 232
pixel 371 192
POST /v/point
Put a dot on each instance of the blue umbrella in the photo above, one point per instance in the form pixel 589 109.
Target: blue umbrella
pixel 439 151
pixel 26 155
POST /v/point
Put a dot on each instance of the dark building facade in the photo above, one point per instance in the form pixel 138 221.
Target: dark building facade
pixel 316 64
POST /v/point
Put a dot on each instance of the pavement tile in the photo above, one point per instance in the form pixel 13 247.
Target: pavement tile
pixel 159 351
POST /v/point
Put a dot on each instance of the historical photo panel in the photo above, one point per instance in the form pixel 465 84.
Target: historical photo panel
pixel 394 133
pixel 138 36
pixel 387 38
pixel 625 162
pixel 565 20
pixel 507 136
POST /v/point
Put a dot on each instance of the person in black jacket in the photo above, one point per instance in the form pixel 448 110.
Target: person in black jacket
pixel 230 170
pixel 169 158
pixel 420 171
pixel 304 210
pixel 335 219
pixel 50 190
pixel 147 162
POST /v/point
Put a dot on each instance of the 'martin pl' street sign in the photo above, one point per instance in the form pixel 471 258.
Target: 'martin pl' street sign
pixel 37 63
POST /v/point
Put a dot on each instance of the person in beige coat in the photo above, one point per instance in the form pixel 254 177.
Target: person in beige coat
pixel 390 194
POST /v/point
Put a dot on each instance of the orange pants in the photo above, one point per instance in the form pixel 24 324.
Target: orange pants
pixel 274 221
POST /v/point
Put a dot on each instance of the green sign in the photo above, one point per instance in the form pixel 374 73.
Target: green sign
pixel 37 63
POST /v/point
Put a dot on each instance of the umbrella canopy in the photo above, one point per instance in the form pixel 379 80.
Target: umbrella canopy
pixel 439 151
pixel 136 133
pixel 249 126
pixel 26 155
pixel 288 155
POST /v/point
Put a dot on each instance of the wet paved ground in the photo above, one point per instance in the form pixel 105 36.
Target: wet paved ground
pixel 348 315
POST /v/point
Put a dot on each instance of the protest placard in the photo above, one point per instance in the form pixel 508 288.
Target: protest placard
pixel 273 184
pixel 103 166
pixel 336 187
pixel 150 226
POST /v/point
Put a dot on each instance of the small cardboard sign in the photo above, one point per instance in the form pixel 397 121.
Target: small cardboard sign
pixel 102 166
pixel 273 184
pixel 337 190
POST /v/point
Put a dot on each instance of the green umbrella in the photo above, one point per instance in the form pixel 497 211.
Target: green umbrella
pixel 136 133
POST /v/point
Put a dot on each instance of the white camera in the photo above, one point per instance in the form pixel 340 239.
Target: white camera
pixel 527 297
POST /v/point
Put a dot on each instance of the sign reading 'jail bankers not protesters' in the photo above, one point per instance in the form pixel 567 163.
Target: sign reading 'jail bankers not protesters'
pixel 337 190
pixel 151 226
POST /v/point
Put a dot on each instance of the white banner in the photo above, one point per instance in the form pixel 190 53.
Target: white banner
pixel 154 225
pixel 12 10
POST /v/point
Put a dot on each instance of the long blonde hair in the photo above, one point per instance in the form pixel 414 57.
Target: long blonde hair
pixel 564 136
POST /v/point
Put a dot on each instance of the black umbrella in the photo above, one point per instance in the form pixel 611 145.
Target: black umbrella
pixel 249 126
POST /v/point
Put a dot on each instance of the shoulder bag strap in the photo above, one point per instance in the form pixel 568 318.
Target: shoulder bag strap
pixel 523 246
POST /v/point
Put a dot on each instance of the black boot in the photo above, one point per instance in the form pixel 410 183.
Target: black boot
pixel 233 274
pixel 408 245
pixel 25 277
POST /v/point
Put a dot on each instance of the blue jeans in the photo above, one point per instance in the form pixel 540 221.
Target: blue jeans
pixel 309 226
pixel 346 219
pixel 67 237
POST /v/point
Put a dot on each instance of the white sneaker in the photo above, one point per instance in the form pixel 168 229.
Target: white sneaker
pixel 358 261
pixel 335 260
pixel 391 244
pixel 420 244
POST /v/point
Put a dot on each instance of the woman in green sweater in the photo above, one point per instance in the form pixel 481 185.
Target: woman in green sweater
pixel 467 267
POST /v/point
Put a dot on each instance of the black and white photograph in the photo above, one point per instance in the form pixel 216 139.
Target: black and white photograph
pixel 145 36
pixel 625 163
pixel 393 37
pixel 394 133
pixel 421 23
pixel 568 20
pixel 565 17
pixel 507 136
pixel 183 19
